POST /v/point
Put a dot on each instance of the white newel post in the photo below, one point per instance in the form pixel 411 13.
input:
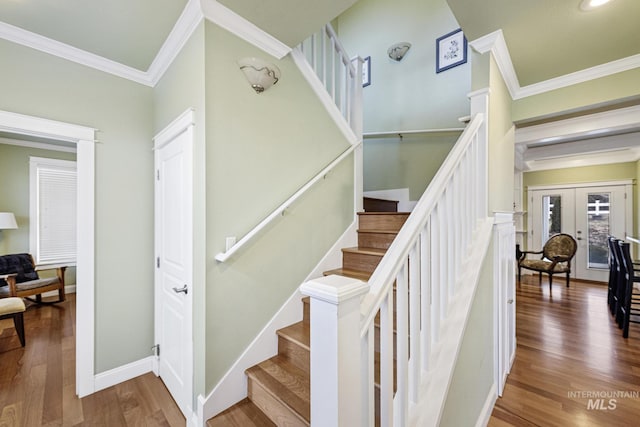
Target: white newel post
pixel 357 119
pixel 336 392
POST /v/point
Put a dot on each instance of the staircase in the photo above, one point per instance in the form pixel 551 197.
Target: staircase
pixel 279 388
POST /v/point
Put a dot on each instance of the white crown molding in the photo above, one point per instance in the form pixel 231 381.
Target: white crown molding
pixel 589 159
pixel 583 126
pixel 234 23
pixel 184 27
pixel 495 43
pixel 79 56
pixel 186 24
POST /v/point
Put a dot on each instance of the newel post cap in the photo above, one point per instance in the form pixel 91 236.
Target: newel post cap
pixel 334 289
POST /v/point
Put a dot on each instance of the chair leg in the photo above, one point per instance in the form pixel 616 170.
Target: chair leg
pixel 18 322
pixel 550 281
pixel 519 273
pixel 567 280
pixel 540 278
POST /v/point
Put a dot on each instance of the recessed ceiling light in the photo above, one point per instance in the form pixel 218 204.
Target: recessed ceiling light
pixel 592 4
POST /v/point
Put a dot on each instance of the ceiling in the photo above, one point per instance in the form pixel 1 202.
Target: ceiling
pixel 551 38
pixel 546 39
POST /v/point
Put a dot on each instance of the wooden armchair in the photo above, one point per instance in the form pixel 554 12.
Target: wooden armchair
pixel 19 278
pixel 557 254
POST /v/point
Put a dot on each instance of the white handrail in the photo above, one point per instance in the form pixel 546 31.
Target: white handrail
pixel 423 290
pixel 396 255
pixel 223 256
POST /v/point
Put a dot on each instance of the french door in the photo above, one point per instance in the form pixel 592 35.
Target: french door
pixel 589 213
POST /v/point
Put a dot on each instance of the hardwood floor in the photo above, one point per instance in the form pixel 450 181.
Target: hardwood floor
pixel 570 355
pixel 37 382
pixel 571 361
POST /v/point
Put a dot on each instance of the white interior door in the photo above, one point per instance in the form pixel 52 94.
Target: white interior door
pixel 173 283
pixel 589 213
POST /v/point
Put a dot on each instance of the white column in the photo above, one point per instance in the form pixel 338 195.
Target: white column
pixel 336 392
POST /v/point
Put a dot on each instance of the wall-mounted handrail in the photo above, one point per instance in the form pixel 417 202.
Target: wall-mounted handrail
pixel 223 256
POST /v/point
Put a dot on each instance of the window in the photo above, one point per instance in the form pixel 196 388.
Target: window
pixel 52 210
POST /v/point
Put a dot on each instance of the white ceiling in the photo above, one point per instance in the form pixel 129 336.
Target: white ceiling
pixel 546 39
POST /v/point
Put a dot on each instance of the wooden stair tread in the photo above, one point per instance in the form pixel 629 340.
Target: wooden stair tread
pixel 374 231
pixel 354 274
pixel 286 382
pixel 242 414
pixel 366 251
pixel 298 333
pixel 385 213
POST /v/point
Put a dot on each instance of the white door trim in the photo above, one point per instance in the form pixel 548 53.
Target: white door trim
pixel 183 123
pixel 84 138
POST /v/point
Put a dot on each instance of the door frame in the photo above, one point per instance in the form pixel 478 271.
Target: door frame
pixel 183 123
pixel 628 186
pixel 84 138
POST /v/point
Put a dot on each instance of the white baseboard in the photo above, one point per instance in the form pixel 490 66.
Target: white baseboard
pixel 123 373
pixel 233 386
pixel 487 409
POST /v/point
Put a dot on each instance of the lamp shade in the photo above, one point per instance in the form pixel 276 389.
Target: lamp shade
pixel 260 74
pixel 7 221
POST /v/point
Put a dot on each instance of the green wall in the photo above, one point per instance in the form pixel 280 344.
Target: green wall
pixel 407 162
pixel 501 144
pixel 473 376
pixel 612 172
pixel 406 95
pixel 259 150
pixel 603 90
pixel 38 84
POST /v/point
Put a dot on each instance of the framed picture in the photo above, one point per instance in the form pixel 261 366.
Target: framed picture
pixel 366 72
pixel 451 50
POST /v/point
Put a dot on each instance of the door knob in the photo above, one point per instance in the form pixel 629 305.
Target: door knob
pixel 184 290
pixel 578 238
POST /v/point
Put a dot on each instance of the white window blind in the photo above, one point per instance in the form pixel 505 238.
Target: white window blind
pixel 53 210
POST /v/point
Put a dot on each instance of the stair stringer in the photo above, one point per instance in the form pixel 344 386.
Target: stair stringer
pixel 434 384
pixel 233 386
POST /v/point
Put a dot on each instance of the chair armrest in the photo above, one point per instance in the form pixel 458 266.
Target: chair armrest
pixel 523 254
pixel 532 252
pixel 44 267
pixel 11 281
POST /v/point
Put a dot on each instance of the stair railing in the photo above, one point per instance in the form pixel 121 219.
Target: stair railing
pixel 417 350
pixel 339 75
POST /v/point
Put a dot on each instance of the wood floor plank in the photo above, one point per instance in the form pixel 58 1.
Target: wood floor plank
pixel 37 382
pixel 569 350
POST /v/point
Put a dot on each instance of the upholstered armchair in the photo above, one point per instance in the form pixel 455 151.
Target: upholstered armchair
pixel 556 256
pixel 19 278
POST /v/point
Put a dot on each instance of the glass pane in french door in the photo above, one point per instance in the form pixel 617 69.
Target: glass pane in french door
pixel 598 228
pixel 552 214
